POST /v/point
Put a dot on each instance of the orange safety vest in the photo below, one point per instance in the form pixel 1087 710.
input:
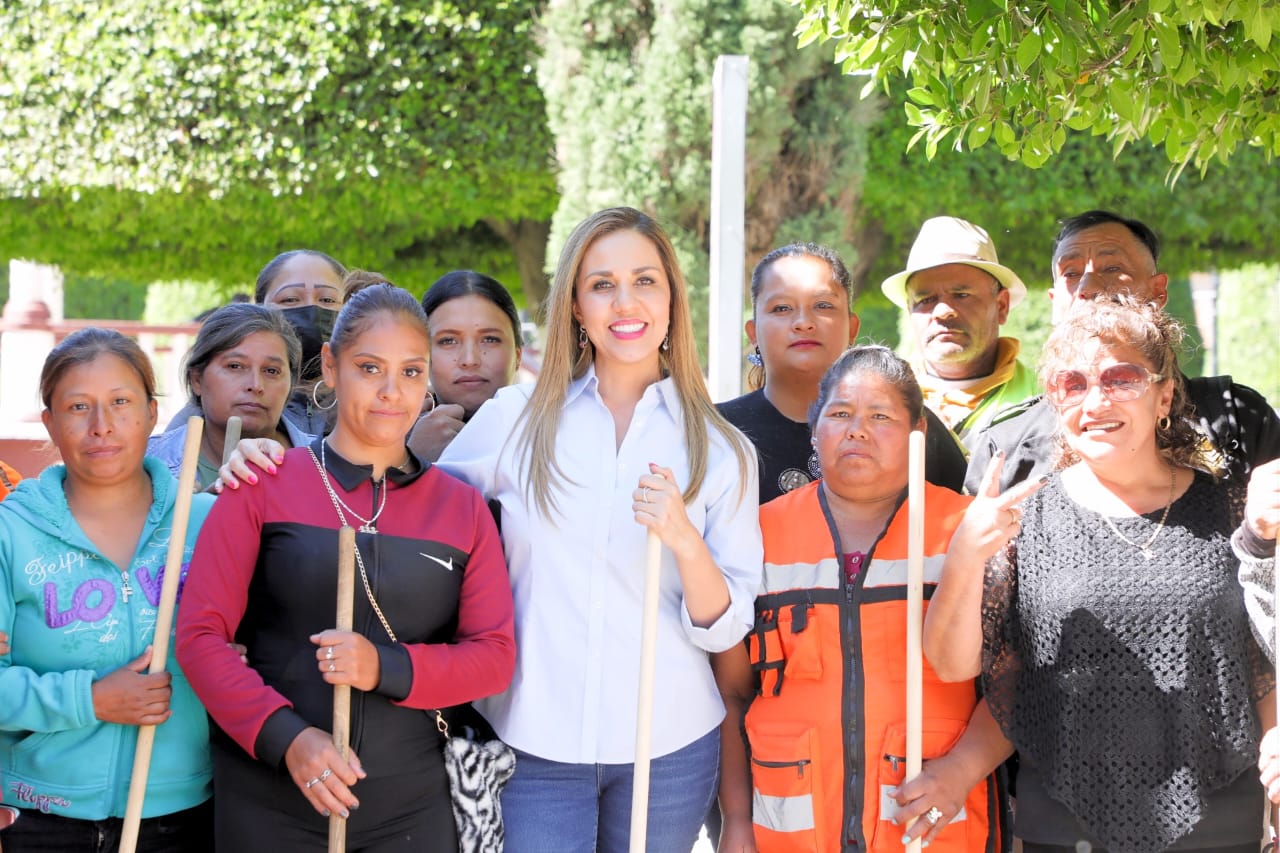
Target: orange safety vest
pixel 9 478
pixel 827 727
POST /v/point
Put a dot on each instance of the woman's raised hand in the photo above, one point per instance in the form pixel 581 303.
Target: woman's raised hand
pixel 434 430
pixel 321 773
pixel 131 696
pixel 993 518
pixel 1262 507
pixel 264 453
pixel 1269 764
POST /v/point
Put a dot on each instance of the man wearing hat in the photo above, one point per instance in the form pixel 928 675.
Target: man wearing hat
pixel 1098 253
pixel 958 295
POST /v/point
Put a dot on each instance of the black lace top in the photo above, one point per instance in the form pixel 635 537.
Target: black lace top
pixel 1127 683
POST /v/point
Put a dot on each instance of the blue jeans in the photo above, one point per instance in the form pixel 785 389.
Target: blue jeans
pixel 552 807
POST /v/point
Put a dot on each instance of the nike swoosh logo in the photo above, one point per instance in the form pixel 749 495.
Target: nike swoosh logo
pixel 448 564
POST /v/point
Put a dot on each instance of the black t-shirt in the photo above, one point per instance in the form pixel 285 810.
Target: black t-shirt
pixel 788 461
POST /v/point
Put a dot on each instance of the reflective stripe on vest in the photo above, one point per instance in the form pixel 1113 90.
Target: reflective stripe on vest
pixel 894 572
pixel 782 814
pixel 825 574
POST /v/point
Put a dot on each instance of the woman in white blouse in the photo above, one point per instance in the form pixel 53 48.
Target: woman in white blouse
pixel 617 437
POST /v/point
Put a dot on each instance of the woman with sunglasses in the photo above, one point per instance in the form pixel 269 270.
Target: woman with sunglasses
pixel 1110 632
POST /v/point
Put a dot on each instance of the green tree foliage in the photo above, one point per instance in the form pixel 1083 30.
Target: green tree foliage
pixel 195 139
pixel 1221 220
pixel 1198 78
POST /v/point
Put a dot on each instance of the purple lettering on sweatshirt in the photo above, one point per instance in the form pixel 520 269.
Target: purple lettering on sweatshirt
pixel 80 609
pixel 151 584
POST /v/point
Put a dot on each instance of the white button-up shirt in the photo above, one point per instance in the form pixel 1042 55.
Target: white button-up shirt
pixel 578 578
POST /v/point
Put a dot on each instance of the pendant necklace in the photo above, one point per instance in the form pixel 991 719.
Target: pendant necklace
pixel 367 525
pixel 1145 547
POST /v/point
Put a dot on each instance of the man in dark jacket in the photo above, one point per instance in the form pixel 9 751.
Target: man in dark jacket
pixel 1095 254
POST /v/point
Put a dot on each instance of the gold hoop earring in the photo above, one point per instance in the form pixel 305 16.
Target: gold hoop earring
pixel 1163 424
pixel 314 397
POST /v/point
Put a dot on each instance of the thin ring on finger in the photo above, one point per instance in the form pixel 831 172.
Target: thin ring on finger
pixel 332 666
pixel 328 653
pixel 326 774
pixel 313 782
pixel 1015 515
pixel 644 495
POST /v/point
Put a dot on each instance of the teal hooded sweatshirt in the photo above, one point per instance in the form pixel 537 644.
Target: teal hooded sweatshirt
pixel 71 622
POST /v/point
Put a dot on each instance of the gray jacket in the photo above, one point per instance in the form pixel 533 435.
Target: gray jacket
pixel 167 446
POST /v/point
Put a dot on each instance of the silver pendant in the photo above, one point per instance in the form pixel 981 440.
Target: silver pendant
pixel 369 528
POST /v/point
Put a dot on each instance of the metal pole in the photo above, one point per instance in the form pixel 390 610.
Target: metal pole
pixel 728 213
pixel 1204 301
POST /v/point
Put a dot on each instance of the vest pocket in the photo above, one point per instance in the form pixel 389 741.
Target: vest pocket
pixel 784 774
pixel 801 641
pixel 965 831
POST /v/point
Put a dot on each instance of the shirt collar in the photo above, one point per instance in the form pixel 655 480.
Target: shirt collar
pixel 588 382
pixel 350 475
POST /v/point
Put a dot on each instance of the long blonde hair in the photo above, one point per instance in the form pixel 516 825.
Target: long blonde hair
pixel 563 360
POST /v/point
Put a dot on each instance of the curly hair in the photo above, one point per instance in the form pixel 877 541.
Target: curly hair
pixel 1123 320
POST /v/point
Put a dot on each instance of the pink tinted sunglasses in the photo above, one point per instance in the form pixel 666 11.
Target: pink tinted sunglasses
pixel 1119 384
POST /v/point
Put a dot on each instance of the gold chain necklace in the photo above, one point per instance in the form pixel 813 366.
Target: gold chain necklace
pixel 1145 547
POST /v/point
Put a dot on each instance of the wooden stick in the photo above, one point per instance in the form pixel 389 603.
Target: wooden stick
pixel 342 692
pixel 231 438
pixel 164 626
pixel 915 610
pixel 644 705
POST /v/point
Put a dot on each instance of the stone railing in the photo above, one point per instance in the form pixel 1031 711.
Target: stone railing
pixel 28 332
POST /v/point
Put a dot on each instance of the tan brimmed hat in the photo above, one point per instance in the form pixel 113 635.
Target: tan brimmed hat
pixel 948 240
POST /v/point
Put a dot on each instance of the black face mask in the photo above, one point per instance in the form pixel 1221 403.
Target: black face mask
pixel 314 325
